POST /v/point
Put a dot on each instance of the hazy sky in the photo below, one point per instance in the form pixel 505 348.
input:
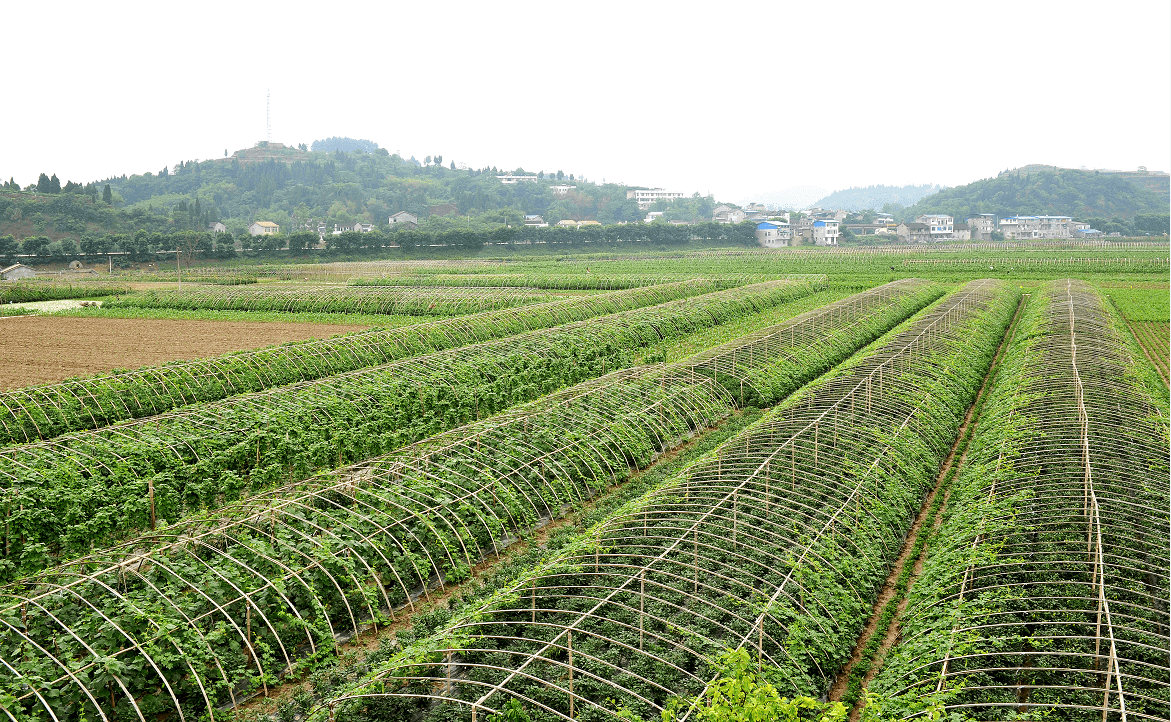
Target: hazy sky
pixel 734 98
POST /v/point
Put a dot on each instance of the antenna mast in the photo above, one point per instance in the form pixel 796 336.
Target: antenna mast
pixel 268 115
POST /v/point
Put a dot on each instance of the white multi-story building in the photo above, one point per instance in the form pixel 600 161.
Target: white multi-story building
pixel 508 178
pixel 1032 227
pixel 825 232
pixel 561 190
pixel 941 226
pixel 773 234
pixel 647 197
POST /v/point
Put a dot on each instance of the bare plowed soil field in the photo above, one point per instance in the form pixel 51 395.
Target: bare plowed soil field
pixel 42 349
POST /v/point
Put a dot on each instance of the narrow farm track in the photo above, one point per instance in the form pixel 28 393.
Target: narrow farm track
pixel 911 546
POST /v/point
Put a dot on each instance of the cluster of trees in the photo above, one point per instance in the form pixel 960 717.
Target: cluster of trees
pixel 51 185
pixel 141 247
pixel 1142 224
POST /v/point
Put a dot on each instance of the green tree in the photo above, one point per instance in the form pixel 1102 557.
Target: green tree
pixel 107 195
pixel 35 245
pixel 741 695
pixel 9 247
pixel 44 185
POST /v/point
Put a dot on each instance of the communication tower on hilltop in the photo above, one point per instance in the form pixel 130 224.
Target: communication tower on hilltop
pixel 268 115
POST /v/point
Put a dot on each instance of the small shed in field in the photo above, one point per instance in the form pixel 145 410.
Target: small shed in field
pixel 16 272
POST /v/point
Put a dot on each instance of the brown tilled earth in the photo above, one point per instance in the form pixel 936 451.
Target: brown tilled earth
pixel 42 349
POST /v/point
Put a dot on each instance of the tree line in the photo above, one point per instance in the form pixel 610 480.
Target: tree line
pixel 143 246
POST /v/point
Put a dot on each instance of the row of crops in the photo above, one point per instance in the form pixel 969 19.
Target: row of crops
pixel 38 290
pixel 42 412
pixel 64 496
pixel 207 610
pixel 553 281
pixel 426 301
pixel 776 543
pixel 1046 590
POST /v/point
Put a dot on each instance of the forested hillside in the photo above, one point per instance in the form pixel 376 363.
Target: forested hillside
pixel 1083 194
pixel 292 186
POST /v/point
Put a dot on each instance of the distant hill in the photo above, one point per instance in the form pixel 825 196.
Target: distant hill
pixel 793 199
pixel 1047 190
pixel 875 197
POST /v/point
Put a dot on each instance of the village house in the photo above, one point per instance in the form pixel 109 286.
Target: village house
pixel 773 234
pixel 402 217
pixel 981 226
pixel 217 227
pixel 264 228
pixel 727 214
pixel 825 232
pixel 16 271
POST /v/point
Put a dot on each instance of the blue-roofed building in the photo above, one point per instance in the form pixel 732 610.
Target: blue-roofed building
pixel 773 234
pixel 825 232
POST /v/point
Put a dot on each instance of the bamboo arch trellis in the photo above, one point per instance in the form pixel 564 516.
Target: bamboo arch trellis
pixel 777 542
pixel 1064 603
pixel 216 604
pixel 187 450
pixel 46 411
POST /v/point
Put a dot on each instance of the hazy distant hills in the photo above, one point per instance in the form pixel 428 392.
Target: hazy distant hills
pixel 1047 190
pixel 875 197
pixel 794 198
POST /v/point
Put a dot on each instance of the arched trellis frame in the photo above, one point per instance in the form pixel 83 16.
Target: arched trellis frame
pixel 189 457
pixel 248 593
pixel 1056 597
pixel 778 542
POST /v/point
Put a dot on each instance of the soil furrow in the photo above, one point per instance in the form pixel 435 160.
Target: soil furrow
pixel 890 588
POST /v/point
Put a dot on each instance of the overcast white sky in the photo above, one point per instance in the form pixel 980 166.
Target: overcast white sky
pixel 734 98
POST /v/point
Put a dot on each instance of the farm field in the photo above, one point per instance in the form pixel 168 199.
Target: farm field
pixel 46 349
pixel 605 486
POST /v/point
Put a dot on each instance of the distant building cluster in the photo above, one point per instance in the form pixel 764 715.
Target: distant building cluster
pixel 934 228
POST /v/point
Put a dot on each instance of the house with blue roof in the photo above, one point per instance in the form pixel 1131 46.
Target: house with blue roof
pixel 773 234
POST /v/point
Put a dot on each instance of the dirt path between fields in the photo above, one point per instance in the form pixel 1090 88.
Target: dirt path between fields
pixel 45 349
pixel 890 587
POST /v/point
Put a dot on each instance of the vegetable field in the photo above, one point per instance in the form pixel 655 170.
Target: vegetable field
pixel 1046 590
pixel 601 486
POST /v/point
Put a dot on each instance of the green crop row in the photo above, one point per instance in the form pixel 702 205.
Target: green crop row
pixel 554 281
pixel 200 612
pixel 42 412
pixel 777 543
pixel 1047 582
pixel 37 290
pixel 69 495
pixel 427 301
